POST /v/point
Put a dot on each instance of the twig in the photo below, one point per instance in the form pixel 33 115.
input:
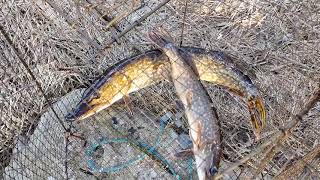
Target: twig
pixel 137 22
pixel 123 15
pixel 296 169
pixel 183 21
pixel 243 160
pixel 269 155
pixel 72 23
pixel 105 17
pixel 279 136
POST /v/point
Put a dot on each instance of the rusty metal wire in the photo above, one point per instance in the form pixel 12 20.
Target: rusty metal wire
pixel 51 50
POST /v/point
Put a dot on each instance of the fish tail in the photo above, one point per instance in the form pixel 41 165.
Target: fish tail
pixel 160 37
pixel 258 114
pixel 262 111
pixel 255 104
pixel 244 87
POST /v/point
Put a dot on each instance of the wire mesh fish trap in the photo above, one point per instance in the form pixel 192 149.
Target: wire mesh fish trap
pixel 52 50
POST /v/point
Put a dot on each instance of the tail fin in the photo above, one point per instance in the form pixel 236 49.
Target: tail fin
pixel 160 37
pixel 257 113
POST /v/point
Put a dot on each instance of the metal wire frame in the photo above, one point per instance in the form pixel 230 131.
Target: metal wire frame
pixel 190 20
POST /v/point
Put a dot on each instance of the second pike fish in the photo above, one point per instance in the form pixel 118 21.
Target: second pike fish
pixel 151 67
pixel 202 117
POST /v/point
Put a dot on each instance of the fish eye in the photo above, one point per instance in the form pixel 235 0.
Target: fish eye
pixel 213 170
pixel 96 95
pixel 90 94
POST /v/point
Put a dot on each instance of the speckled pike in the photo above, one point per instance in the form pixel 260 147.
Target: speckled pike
pixel 202 117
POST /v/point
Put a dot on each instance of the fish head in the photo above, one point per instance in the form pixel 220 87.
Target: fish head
pixel 211 172
pixel 162 39
pixel 88 106
pixel 208 167
pixel 80 112
pixel 207 172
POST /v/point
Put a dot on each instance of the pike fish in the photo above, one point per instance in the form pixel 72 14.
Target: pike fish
pixel 123 78
pixel 219 69
pixel 151 67
pixel 202 117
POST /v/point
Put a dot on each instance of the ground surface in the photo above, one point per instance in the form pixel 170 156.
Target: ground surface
pixel 141 127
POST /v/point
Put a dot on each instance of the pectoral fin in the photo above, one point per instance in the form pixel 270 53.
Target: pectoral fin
pixel 164 71
pixel 183 154
pixel 197 143
pixel 127 102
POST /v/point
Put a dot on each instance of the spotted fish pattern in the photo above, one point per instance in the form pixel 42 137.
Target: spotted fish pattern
pixel 201 115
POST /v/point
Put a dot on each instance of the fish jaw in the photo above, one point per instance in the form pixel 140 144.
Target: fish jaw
pixel 88 110
pixel 85 110
pixel 81 109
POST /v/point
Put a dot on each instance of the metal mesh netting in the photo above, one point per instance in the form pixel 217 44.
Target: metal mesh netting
pixel 52 50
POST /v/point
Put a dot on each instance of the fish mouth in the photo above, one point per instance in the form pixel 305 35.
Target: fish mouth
pixel 79 112
pixel 160 37
pixel 258 114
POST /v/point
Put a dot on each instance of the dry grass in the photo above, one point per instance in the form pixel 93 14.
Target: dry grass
pixel 63 42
